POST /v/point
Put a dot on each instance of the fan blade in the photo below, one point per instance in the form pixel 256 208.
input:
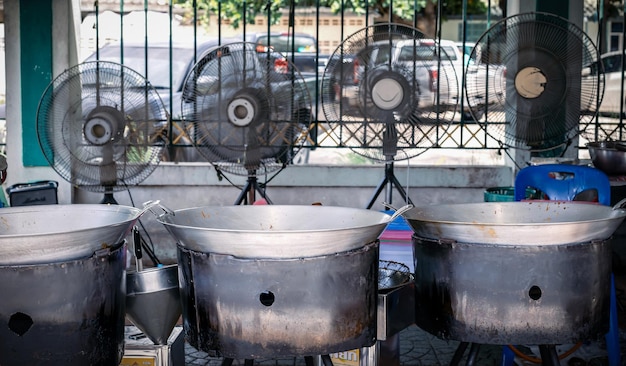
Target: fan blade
pixel 390 75
pixel 241 111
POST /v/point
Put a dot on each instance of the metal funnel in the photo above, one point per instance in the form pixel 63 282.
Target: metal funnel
pixel 153 301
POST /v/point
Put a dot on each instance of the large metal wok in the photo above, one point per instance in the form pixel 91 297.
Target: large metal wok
pixel 274 231
pixel 274 281
pixel 516 223
pixel 52 233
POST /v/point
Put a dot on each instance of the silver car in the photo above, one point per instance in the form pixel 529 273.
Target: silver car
pixel 611 103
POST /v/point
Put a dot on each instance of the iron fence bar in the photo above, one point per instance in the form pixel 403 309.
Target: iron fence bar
pixel 334 137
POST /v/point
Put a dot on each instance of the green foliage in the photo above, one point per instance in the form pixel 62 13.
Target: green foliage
pixel 455 7
pixel 357 6
pixel 613 8
pixel 236 10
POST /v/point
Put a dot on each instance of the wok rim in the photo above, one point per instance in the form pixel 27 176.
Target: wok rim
pixel 133 211
pixel 269 231
pixel 621 214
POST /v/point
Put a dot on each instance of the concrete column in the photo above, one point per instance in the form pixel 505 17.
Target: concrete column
pixel 22 144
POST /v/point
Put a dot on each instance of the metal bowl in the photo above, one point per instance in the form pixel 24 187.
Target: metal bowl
pixel 274 231
pixel 52 233
pixel 609 156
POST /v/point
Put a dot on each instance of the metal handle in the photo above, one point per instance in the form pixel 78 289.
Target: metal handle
pixel 398 211
pixel 620 205
pixel 138 251
pixel 149 205
pixel 620 146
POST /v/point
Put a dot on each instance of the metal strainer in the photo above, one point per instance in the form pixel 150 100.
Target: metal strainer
pixel 392 274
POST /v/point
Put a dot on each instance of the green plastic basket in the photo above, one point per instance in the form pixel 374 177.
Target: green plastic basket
pixel 507 194
pixel 499 194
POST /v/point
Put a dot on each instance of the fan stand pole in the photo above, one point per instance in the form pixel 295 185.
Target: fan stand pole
pixel 250 188
pixel 108 198
pixel 389 181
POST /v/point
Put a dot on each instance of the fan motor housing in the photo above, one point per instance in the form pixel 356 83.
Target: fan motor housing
pixel 104 124
pixel 241 111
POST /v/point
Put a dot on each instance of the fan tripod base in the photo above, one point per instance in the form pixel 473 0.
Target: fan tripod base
pixel 308 360
pixel 248 192
pixel 549 355
pixel 389 181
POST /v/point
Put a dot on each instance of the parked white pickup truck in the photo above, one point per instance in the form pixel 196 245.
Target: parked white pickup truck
pixel 432 71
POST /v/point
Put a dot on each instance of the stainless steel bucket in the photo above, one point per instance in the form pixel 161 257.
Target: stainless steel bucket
pixel 64 313
pixel 512 294
pixel 269 308
pixel 153 301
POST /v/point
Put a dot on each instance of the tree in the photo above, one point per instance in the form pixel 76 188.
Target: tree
pixel 420 13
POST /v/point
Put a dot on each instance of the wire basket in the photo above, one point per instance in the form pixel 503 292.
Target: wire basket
pixel 392 274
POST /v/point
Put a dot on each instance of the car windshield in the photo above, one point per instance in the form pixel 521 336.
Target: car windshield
pixel 158 62
pixel 425 53
pixel 283 43
pixel 612 63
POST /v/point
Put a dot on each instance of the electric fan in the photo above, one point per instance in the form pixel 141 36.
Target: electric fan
pixel 245 116
pixel 100 126
pixel 530 74
pixel 386 91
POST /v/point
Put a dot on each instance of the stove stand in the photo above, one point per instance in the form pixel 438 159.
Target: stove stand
pixel 308 361
pixel 244 308
pixel 512 294
pixel 549 355
pixel 48 320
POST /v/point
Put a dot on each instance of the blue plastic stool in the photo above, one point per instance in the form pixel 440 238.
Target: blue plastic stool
pixel 612 337
pixel 569 183
pixel 563 182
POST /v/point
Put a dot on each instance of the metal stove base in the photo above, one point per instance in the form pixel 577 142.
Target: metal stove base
pixel 324 360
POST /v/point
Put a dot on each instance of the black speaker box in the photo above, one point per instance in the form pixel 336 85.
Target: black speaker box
pixel 35 193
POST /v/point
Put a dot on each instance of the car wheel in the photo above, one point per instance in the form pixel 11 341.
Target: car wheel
pixel 183 151
pixel 479 113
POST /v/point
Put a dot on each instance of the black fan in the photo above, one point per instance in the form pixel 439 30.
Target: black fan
pixel 246 117
pixel 386 91
pixel 529 81
pixel 100 127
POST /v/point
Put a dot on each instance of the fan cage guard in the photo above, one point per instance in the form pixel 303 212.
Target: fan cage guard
pixel 244 117
pixel 527 90
pixel 400 124
pixel 101 125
